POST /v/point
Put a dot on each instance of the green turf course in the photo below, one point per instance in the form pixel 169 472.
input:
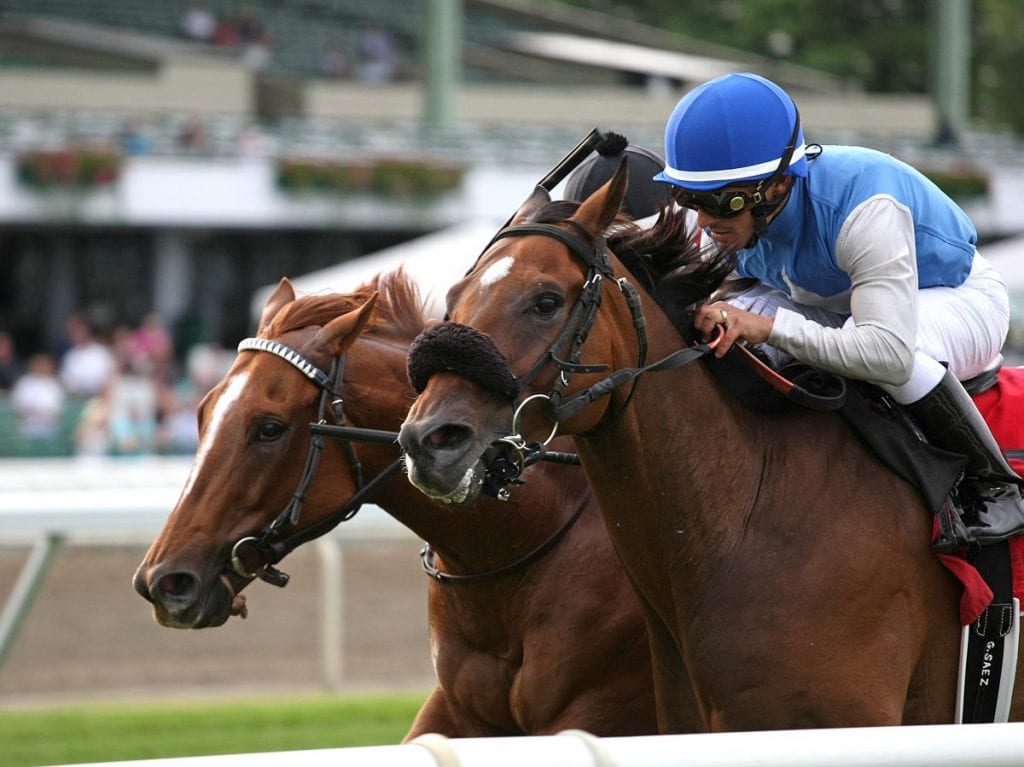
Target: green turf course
pixel 111 732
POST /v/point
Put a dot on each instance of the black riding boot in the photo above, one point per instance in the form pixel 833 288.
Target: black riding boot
pixel 990 494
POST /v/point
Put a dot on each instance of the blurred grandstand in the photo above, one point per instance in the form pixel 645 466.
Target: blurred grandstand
pixel 143 171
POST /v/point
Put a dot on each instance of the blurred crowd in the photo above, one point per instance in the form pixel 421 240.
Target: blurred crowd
pixel 242 30
pixel 121 393
pixel 375 57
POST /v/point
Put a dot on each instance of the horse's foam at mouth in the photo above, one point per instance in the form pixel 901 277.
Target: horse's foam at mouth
pixel 472 479
pixel 461 493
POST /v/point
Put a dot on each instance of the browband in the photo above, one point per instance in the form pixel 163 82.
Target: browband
pixel 307 368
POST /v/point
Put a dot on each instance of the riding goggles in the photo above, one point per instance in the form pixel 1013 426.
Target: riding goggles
pixel 719 204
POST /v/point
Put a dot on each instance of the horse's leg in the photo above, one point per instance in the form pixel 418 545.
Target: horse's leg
pixel 440 714
pixel 674 696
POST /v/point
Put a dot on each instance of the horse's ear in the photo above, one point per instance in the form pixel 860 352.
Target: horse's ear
pixel 283 294
pixel 341 332
pixel 537 200
pixel 598 211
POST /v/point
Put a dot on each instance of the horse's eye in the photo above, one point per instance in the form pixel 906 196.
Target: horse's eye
pixel 269 430
pixel 547 303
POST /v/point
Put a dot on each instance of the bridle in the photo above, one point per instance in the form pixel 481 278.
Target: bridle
pixel 593 252
pixel 255 556
pixel 510 455
pixel 595 257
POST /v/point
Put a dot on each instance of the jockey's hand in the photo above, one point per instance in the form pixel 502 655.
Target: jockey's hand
pixel 736 324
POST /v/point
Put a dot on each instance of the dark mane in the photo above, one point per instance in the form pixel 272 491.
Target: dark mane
pixel 399 311
pixel 665 258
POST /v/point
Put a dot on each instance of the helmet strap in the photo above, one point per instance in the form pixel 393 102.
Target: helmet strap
pixel 764 209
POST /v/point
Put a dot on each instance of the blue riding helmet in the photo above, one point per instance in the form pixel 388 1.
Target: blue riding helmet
pixel 732 130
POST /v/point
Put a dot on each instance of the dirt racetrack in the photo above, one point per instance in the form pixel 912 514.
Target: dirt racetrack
pixel 90 635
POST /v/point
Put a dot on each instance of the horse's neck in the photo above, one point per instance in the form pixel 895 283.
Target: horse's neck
pixel 678 462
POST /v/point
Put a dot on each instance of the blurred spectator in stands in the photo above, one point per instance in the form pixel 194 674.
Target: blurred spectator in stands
pixel 226 33
pixel 249 24
pixel 334 62
pixel 132 409
pixel 205 365
pixel 10 365
pixel 256 54
pixel 192 137
pixel 253 37
pixel 252 142
pixel 199 23
pixel 151 344
pixel 378 54
pixel 88 364
pixel 134 139
pixel 38 400
pixel 91 435
pixel 179 427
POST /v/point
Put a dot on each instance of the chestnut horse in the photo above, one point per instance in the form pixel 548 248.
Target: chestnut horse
pixel 784 571
pixel 521 644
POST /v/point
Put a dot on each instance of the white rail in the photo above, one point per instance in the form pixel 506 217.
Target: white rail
pixel 981 745
pixel 47 503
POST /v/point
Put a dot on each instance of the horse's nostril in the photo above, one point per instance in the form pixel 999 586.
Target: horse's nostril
pixel 176 591
pixel 175 584
pixel 447 437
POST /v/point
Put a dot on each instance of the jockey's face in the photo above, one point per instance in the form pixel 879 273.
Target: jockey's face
pixel 736 231
pixel 728 233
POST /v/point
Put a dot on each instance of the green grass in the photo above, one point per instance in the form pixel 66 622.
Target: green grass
pixel 107 732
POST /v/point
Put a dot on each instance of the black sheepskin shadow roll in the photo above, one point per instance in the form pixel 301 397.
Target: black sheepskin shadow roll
pixel 454 348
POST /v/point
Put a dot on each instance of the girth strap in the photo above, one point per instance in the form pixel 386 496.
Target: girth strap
pixel 987 686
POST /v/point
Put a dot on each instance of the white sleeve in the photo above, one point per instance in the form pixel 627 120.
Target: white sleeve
pixel 876 249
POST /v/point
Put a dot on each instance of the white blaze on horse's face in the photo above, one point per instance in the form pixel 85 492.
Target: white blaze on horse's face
pixel 227 399
pixel 496 271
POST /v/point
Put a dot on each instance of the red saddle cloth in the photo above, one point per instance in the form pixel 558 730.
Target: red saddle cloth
pixel 1003 409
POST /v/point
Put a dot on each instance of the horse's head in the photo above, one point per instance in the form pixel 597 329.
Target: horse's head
pixel 255 442
pixel 547 310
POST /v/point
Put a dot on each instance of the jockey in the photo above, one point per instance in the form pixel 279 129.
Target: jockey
pixel 863 268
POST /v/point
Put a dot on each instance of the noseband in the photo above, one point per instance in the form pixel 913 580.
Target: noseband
pixel 255 556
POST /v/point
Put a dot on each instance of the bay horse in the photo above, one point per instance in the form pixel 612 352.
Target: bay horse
pixel 533 625
pixel 785 573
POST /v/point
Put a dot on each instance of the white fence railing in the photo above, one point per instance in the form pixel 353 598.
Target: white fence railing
pixel 980 745
pixel 47 503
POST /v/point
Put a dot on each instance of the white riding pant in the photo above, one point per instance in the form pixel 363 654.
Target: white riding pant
pixel 962 328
